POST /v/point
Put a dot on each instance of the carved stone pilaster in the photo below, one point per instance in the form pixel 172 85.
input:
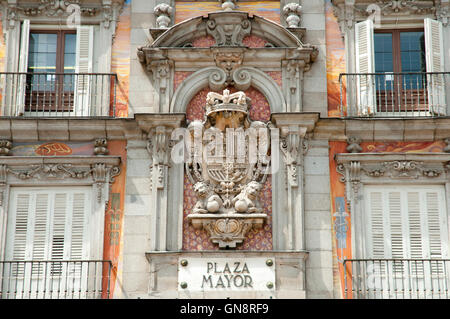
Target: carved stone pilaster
pixel 292 87
pixel 5 147
pixel 3 174
pixel 158 147
pixel 162 76
pixel 293 146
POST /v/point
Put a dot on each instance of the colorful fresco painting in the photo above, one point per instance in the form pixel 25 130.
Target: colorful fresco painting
pixel 52 148
pixel 113 239
pixel 120 59
pixel 335 61
pixel 189 9
pixel 341 216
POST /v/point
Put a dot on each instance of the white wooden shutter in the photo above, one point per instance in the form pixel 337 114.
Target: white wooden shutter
pixel 434 52
pixel 365 63
pixel 84 56
pixel 23 67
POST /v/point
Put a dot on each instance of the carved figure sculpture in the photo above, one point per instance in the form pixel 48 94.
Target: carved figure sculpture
pixel 247 200
pixel 208 201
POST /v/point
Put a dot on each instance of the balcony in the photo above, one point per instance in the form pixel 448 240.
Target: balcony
pixel 413 94
pixel 58 95
pixel 62 279
pixel 396 278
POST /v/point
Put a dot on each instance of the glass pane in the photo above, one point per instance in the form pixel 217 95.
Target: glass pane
pixel 42 59
pixel 69 60
pixel 412 51
pixel 383 60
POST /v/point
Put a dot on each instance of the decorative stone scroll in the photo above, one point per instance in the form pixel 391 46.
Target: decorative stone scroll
pixel 227 180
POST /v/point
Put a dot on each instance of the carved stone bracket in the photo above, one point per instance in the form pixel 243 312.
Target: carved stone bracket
pixel 5 147
pixel 101 146
pixel 225 231
pixel 158 147
pixel 353 144
pixel 294 146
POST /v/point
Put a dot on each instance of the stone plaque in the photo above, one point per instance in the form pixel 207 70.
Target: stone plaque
pixel 226 274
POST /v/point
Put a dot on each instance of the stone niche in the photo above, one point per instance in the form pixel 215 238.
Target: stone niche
pixel 228 165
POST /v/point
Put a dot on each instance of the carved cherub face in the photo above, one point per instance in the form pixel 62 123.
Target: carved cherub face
pixel 201 189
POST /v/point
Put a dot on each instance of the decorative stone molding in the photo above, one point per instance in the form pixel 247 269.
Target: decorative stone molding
pixel 162 78
pixel 227 186
pixel 228 34
pixel 353 144
pixel 5 147
pixel 163 12
pixel 293 146
pixel 48 169
pixel 292 11
pixel 101 146
pixel 158 147
pixel 386 167
pixel 104 11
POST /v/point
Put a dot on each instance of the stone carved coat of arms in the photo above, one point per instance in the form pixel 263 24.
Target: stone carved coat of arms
pixel 228 165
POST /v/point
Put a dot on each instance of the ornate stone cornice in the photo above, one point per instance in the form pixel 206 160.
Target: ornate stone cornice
pixel 104 11
pixel 96 170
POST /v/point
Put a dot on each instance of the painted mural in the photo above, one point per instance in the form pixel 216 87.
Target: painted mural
pixel 189 9
pixel 120 59
pixel 335 60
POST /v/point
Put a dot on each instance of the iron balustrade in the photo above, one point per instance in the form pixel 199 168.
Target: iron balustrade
pixel 416 94
pixel 55 279
pixel 396 278
pixel 58 94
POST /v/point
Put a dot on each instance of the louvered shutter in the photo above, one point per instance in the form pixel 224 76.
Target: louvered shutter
pixel 48 224
pixel 365 64
pixel 23 68
pixel 83 82
pixel 407 222
pixel 434 53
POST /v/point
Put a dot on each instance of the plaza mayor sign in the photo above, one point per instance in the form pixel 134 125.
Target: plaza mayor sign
pixel 226 274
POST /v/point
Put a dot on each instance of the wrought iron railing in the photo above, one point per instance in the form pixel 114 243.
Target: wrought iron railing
pixel 55 279
pixel 417 94
pixel 397 278
pixel 58 94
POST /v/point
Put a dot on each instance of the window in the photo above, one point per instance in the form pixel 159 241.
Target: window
pixel 47 225
pixel 51 63
pixel 398 70
pixel 406 236
pixel 58 66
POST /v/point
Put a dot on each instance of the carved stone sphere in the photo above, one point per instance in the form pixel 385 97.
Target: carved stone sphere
pixel 241 206
pixel 212 206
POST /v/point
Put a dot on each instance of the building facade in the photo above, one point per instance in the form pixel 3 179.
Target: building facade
pixel 224 149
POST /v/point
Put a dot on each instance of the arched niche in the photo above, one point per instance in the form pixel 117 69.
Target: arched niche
pixel 215 78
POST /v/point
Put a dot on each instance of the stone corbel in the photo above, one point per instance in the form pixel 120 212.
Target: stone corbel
pixel 293 146
pixel 353 144
pixel 5 147
pixel 158 147
pixel 103 177
pixel 101 146
pixel 351 177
